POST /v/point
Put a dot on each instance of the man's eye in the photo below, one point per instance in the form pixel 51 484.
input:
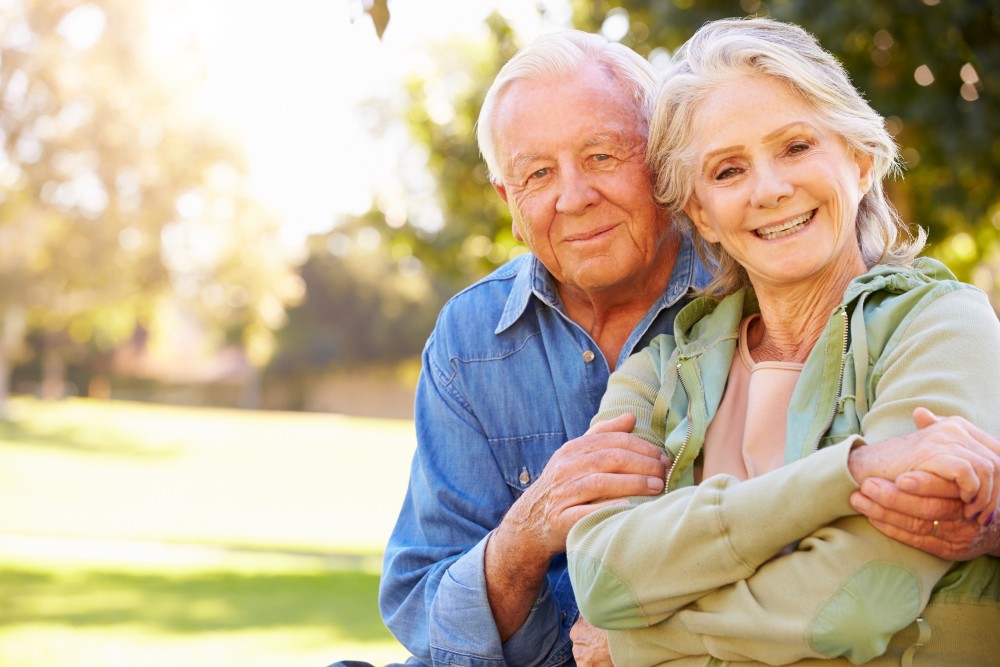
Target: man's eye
pixel 601 157
pixel 541 173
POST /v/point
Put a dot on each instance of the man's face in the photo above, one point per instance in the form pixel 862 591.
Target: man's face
pixel 571 156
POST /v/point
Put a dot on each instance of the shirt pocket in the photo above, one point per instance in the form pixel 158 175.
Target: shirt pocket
pixel 522 458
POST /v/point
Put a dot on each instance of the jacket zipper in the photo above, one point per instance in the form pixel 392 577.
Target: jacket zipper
pixel 687 434
pixel 840 381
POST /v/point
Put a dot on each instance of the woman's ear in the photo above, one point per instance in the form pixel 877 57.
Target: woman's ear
pixel 866 169
pixel 700 220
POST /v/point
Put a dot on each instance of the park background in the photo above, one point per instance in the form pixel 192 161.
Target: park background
pixel 226 229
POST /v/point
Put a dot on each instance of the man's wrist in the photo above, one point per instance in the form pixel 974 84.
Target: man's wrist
pixel 514 574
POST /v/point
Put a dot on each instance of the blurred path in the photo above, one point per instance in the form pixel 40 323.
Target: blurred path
pixel 51 550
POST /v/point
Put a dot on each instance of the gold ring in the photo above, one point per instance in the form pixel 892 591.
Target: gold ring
pixel 934 527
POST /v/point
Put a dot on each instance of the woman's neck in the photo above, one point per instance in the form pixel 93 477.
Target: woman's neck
pixel 793 318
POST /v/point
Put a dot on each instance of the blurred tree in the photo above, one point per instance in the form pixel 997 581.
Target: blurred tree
pixel 226 266
pixel 369 303
pixel 475 233
pixel 462 229
pixel 97 153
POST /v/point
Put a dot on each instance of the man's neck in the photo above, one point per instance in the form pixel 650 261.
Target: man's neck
pixel 610 314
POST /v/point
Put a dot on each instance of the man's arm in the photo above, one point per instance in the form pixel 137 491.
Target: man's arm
pixel 465 570
pixel 607 462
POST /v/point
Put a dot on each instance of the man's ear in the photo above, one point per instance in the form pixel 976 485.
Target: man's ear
pixel 697 215
pixel 502 191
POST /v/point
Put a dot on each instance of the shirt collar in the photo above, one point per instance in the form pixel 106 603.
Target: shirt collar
pixel 534 279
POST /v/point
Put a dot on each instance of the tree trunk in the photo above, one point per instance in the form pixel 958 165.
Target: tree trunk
pixel 11 337
pixel 251 390
pixel 5 372
pixel 53 369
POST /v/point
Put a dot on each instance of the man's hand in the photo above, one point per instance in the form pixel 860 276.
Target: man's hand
pixel 949 448
pixel 927 511
pixel 590 472
pixel 590 645
pixel 585 474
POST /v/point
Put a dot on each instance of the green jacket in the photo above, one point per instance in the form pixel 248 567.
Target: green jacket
pixel 703 575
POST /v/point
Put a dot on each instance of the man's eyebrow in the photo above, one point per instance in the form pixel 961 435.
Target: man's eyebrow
pixel 609 138
pixel 601 139
pixel 519 162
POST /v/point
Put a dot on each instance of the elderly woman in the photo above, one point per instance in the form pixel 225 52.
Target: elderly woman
pixel 818 360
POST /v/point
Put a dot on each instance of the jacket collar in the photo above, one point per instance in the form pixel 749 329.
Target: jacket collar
pixel 693 331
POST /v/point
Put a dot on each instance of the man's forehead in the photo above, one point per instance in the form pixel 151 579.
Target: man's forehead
pixel 527 146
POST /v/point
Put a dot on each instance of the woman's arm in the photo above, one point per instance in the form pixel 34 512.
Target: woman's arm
pixel 647 591
pixel 906 510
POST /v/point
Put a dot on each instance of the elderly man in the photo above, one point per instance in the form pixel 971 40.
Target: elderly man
pixel 475 572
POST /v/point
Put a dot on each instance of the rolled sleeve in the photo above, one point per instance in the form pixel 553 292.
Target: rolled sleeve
pixel 462 630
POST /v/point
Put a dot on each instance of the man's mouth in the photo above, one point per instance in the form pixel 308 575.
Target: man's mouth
pixel 786 228
pixel 591 234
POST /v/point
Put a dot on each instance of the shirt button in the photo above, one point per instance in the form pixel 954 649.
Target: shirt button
pixel 524 478
pixel 588 356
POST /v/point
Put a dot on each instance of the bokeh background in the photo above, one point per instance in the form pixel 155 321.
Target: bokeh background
pixel 226 228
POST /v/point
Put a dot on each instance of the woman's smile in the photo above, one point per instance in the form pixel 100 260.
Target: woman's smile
pixel 786 228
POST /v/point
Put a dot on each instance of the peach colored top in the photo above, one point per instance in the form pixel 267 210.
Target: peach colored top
pixel 747 436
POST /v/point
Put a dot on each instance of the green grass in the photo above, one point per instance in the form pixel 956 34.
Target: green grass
pixel 137 534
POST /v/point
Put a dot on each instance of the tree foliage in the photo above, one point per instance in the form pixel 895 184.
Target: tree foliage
pixel 369 302
pixel 98 153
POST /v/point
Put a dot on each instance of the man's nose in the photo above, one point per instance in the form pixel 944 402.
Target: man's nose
pixel 577 191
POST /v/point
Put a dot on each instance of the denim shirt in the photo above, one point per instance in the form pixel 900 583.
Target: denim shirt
pixel 507 378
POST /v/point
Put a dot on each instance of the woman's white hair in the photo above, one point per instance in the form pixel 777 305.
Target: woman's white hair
pixel 559 54
pixel 725 50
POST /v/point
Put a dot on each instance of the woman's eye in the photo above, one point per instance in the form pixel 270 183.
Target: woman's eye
pixel 798 147
pixel 726 173
pixel 541 173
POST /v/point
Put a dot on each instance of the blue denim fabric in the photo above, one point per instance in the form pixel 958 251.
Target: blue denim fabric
pixel 505 382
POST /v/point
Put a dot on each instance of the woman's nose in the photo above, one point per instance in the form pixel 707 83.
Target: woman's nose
pixel 771 186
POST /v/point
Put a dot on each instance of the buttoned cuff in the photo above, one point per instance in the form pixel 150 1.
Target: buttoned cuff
pixel 462 629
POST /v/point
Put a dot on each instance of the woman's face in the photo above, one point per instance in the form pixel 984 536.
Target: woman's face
pixel 776 187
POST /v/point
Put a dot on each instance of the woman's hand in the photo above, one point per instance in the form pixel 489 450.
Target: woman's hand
pixel 963 459
pixel 928 516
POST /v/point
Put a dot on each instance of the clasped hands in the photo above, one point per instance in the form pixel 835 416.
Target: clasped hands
pixel 935 489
